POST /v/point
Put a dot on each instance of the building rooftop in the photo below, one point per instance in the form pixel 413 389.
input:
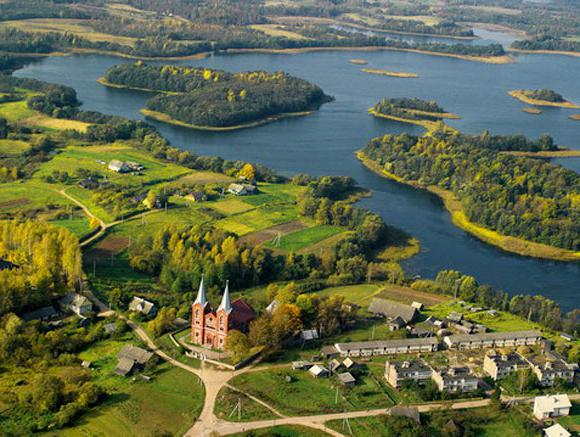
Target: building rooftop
pixel 551 402
pixel 390 308
pixel 409 365
pixel 135 353
pixel 346 378
pixel 556 430
pixel 494 336
pixel 385 344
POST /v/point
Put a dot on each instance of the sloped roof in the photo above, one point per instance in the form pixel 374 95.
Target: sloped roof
pixel 141 305
pixel 551 402
pixel 556 430
pixel 74 299
pixel 242 312
pixel 124 366
pixel 135 353
pixel 513 335
pixel 346 378
pixel 390 308
pixel 317 370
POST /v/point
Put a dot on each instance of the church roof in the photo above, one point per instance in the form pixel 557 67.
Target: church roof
pixel 225 304
pixel 242 312
pixel 201 294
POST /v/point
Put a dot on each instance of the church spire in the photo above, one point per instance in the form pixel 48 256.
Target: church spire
pixel 201 297
pixel 226 304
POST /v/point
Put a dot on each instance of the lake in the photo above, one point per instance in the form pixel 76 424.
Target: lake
pixel 325 142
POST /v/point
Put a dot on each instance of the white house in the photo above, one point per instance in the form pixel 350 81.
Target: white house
pixel 549 406
pixel 118 166
pixel 318 371
pixel 556 430
pixel 76 303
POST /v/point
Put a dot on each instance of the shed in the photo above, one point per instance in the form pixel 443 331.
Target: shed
pixel 334 365
pixel 124 366
pixel 348 363
pixel 346 379
pixel 329 351
pixel 309 334
pixel 86 364
pixel 556 430
pixel 140 305
pixel 396 324
pixel 318 371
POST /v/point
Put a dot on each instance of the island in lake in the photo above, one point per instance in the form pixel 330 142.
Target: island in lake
pixel 542 97
pixel 425 113
pixel 400 74
pixel 358 61
pixel 202 98
pixel 534 111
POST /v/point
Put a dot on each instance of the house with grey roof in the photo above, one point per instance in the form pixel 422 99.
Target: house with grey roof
pixel 550 367
pixel 387 347
pixel 140 305
pixel 131 358
pixel 43 314
pixel 76 303
pixel 346 379
pixel 392 310
pixel 498 366
pixel 455 380
pixel 396 372
pixel 493 339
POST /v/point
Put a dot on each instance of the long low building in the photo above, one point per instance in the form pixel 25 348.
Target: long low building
pixel 493 339
pixel 386 347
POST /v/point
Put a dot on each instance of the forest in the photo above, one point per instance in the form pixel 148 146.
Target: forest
pixel 547 43
pixel 413 109
pixel 522 197
pixel 217 98
pixel 46 260
pixel 544 94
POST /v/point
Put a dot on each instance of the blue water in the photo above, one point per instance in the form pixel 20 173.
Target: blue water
pixel 325 142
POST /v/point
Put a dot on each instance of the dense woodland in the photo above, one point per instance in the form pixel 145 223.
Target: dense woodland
pixel 217 98
pixel 522 197
pixel 413 109
pixel 548 43
pixel 47 261
pixel 545 94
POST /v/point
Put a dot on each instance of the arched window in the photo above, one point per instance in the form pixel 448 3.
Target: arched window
pixel 197 315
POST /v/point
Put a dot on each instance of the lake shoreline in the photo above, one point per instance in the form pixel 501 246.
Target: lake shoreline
pixel 164 118
pixel 522 97
pixel 544 52
pixel 506 243
pixel 504 59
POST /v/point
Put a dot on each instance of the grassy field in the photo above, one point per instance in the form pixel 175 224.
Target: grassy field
pixel 572 422
pixel 227 402
pixel 303 238
pixel 358 294
pixel 13 147
pixel 277 30
pixel 497 425
pixel 66 25
pixel 77 225
pixel 283 431
pixel 309 395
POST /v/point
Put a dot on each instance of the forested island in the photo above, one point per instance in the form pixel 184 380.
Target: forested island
pixel 424 113
pixel 542 97
pixel 520 204
pixel 213 99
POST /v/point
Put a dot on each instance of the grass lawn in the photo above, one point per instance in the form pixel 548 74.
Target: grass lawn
pixel 283 431
pixel 16 111
pixel 13 147
pixel 227 402
pixel 20 196
pixel 78 225
pixel 259 218
pixel 309 395
pixel 358 294
pixel 572 422
pixel 306 237
pixel 230 205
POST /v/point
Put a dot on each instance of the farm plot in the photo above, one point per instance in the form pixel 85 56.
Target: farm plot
pixel 304 238
pixel 261 237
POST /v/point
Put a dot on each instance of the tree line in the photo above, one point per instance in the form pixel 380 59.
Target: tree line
pixel 518 196
pixel 545 42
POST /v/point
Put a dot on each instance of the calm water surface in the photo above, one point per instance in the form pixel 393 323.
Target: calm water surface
pixel 324 143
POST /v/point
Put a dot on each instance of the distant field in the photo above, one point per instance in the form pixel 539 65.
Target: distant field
pixel 408 295
pixel 277 30
pixel 13 147
pixel 358 294
pixel 305 237
pixel 66 25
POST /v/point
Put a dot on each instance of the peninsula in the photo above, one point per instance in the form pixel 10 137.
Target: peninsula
pixel 431 162
pixel 542 97
pixel 206 99
pixel 427 114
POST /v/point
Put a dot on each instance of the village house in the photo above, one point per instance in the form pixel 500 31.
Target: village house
pixel 118 166
pixel 392 310
pixel 318 371
pixel 550 367
pixel 346 379
pixel 131 358
pixel 455 380
pixel 309 334
pixel 242 189
pixel 142 306
pixel 386 347
pixel 348 364
pixel 546 407
pixel 209 328
pixel 493 339
pixel 556 430
pixel 499 366
pixel 398 371
pixel 43 314
pixel 76 303
pixel 7 265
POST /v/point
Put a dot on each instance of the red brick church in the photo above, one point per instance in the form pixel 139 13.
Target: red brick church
pixel 210 328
